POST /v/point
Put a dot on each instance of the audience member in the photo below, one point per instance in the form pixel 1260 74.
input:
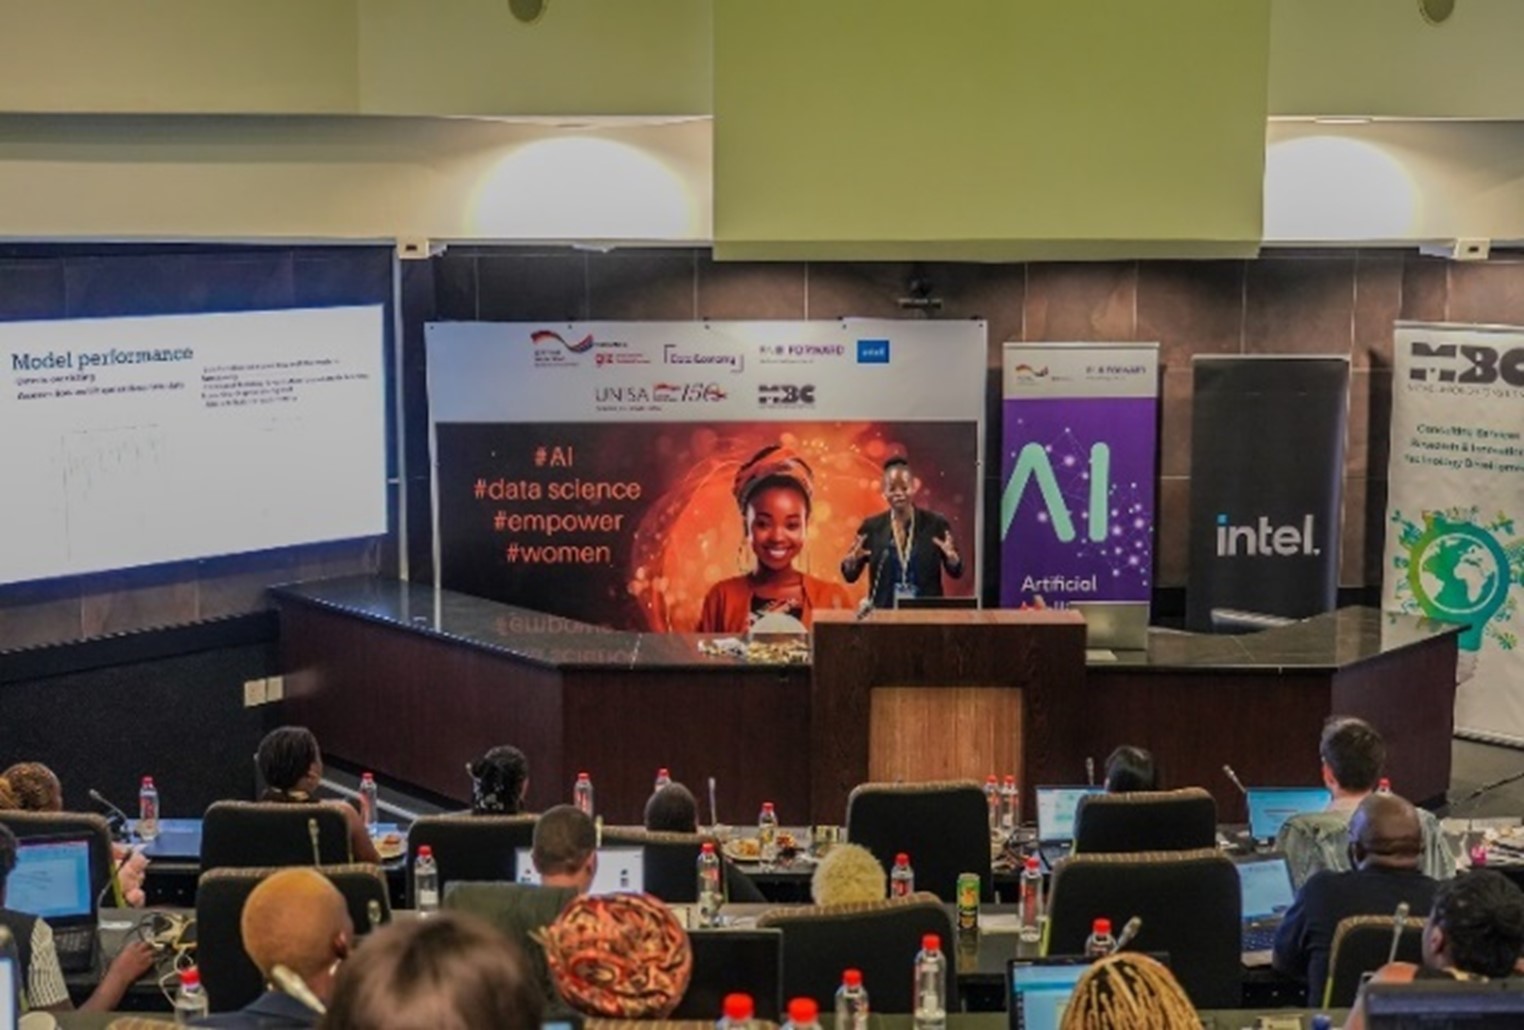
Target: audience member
pixel 1129 991
pixel 291 765
pixel 672 809
pixel 42 982
pixel 620 956
pixel 449 972
pixel 1353 756
pixel 33 787
pixel 298 919
pixel 1387 842
pixel 1130 769
pixel 848 874
pixel 499 782
pixel 1475 931
pixel 566 857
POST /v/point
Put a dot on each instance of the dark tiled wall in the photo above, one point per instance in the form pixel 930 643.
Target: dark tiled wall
pixel 1314 302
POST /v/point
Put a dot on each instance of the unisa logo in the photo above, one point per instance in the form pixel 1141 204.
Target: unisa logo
pixel 1455 568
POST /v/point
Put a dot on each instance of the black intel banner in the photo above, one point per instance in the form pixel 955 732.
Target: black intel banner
pixel 1267 472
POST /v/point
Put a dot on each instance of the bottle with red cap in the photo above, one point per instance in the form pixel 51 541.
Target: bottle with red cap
pixel 901 877
pixel 425 882
pixel 711 886
pixel 190 1000
pixel 369 797
pixel 582 794
pixel 1031 900
pixel 1010 806
pixel 851 1002
pixel 1100 943
pixel 148 810
pixel 992 802
pixel 737 1013
pixel 663 779
pixel 1383 786
pixel 767 835
pixel 929 1009
pixel 803 1014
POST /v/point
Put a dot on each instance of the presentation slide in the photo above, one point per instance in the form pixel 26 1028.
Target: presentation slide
pixel 134 441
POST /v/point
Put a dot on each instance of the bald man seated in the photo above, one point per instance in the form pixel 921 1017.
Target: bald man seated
pixel 298 919
pixel 1386 851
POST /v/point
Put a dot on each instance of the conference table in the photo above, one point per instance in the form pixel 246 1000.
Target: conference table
pixel 413 682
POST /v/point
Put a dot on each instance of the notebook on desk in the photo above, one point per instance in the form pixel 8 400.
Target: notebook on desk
pixel 620 870
pixel 1264 883
pixel 52 881
pixel 1270 807
pixel 1056 810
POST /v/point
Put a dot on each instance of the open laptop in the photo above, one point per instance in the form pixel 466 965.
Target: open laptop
pixel 1269 807
pixel 52 881
pixel 1056 809
pixel 1114 625
pixel 1264 883
pixel 620 870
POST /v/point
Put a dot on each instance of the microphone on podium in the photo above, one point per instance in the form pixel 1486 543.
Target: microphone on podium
pixel 1228 769
pixel 866 607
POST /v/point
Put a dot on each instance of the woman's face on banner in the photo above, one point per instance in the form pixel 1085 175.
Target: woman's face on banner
pixel 778 516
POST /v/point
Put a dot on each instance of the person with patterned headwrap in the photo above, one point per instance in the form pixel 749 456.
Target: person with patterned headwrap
pixel 774 490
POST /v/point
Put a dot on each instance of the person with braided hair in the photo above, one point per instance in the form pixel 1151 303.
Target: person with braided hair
pixel 774 490
pixel 1129 991
pixel 499 781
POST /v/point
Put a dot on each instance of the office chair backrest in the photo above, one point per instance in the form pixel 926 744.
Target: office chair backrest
pixel 54 824
pixel 1151 820
pixel 881 938
pixel 1189 902
pixel 943 827
pixel 471 847
pixel 245 834
pixel 230 977
pixel 1361 945
pixel 727 961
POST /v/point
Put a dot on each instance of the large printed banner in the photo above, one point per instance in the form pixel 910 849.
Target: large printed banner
pixel 1077 472
pixel 1455 517
pixel 1267 477
pixel 591 470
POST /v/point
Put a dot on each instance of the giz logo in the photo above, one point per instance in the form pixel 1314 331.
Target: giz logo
pixel 786 396
pixel 1262 539
pixel 1482 365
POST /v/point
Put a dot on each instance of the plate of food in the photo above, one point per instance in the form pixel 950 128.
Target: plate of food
pixel 743 849
pixel 391 845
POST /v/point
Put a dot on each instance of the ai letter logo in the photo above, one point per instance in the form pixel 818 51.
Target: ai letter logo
pixel 873 352
pixel 1262 539
pixel 1033 463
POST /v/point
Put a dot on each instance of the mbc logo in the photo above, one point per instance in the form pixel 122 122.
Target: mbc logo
pixel 1473 364
pixel 1262 539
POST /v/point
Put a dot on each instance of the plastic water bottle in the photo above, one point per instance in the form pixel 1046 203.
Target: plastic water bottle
pixel 148 810
pixel 851 1002
pixel 190 1000
pixel 767 835
pixel 1010 806
pixel 663 779
pixel 992 802
pixel 425 882
pixel 803 1014
pixel 368 799
pixel 1031 900
pixel 737 1012
pixel 1100 943
pixel 711 886
pixel 901 877
pixel 582 794
pixel 929 1009
pixel 1384 786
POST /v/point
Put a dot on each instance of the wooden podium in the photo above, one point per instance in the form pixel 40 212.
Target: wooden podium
pixel 944 694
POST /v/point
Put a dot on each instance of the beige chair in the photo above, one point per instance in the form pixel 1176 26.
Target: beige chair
pixel 1361 945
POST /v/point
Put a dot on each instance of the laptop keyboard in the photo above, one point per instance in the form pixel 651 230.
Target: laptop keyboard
pixel 1259 938
pixel 76 948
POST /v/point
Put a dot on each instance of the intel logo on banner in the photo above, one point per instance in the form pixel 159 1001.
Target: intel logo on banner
pixel 873 352
pixel 1261 539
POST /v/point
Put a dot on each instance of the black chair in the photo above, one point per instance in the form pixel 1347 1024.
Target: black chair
pixel 230 977
pixel 671 865
pixel 1189 902
pixel 1151 820
pixel 726 961
pixel 881 938
pixel 943 827
pixel 65 824
pixel 471 847
pixel 1361 945
pixel 248 834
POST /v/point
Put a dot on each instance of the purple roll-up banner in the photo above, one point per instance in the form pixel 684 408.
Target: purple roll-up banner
pixel 1077 472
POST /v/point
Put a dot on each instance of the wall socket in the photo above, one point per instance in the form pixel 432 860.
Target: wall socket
pixel 263 692
pixel 275 688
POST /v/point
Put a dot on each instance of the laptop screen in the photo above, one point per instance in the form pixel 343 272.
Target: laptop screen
pixel 1056 807
pixel 620 870
pixel 1040 991
pixel 1265 884
pixel 51 879
pixel 1269 807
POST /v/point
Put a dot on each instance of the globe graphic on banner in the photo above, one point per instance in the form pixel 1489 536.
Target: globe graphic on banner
pixel 1458 572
